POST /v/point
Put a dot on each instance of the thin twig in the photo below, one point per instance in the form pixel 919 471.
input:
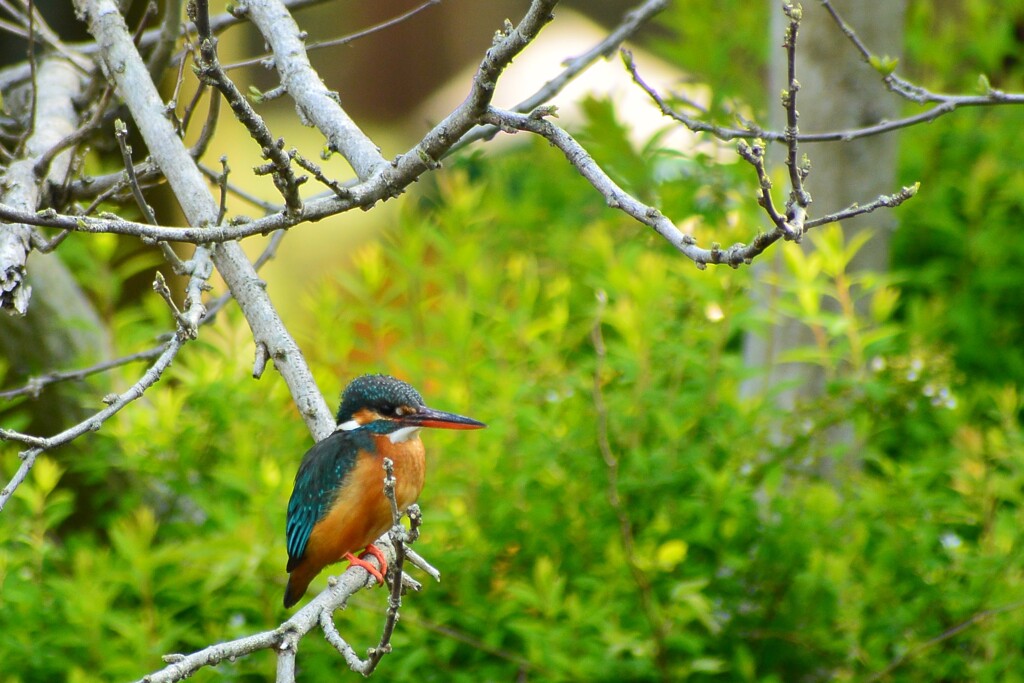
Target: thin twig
pixel 210 71
pixel 121 133
pixel 659 631
pixel 284 639
pixel 896 84
pixel 617 198
pixel 799 198
pixel 242 193
pixel 399 538
pixel 192 106
pixel 318 175
pixel 179 81
pixel 161 288
pixel 197 150
pixel 384 181
pixel 13 29
pixel 83 131
pixel 103 188
pixel 270 251
pixel 885 200
pixel 632 22
pixel 755 156
pixel 344 40
pixel 397 535
pixel 45 246
pixel 148 13
pixel 115 403
pixel 914 651
pixel 416 560
pixel 170 27
pixel 35 385
pixel 222 183
pixel 944 104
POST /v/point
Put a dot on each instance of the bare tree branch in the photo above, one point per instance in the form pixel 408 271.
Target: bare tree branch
pixel 167 36
pixel 121 134
pixel 390 180
pixel 376 179
pixel 81 53
pixel 617 198
pixel 944 104
pixel 315 104
pixel 35 385
pixel 631 23
pixel 398 537
pixel 114 404
pixel 319 612
pixel 124 64
pixel 55 119
pixel 36 26
pixel 799 198
pixel 210 71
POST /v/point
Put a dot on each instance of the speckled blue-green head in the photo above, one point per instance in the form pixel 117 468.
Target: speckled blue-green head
pixel 381 394
pixel 385 404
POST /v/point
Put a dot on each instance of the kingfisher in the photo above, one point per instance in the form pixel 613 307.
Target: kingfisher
pixel 338 504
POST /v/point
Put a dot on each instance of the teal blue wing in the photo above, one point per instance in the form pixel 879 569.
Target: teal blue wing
pixel 323 470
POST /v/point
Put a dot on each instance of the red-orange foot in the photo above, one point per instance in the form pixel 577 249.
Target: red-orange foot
pixel 379 554
pixel 371 570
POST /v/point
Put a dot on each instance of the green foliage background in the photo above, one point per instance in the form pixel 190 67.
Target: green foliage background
pixel 765 551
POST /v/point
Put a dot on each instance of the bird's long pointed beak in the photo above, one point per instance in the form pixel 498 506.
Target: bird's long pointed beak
pixel 428 417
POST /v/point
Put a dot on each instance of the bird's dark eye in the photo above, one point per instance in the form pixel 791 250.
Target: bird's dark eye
pixel 390 411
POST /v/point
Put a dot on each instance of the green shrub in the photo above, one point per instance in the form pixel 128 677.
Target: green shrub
pixel 760 548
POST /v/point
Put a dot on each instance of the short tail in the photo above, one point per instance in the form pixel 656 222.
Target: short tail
pixel 298 582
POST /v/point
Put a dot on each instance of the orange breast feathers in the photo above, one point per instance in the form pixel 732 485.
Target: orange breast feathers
pixel 360 512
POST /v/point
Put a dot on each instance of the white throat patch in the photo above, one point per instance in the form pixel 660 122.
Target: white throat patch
pixel 404 434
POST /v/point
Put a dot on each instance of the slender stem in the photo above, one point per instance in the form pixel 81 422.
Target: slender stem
pixel 344 40
pixel 799 199
pixel 912 652
pixel 211 72
pixel 659 631
pixel 35 385
pixel 115 404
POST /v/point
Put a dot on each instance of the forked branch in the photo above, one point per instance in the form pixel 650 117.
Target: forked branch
pixel 284 639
